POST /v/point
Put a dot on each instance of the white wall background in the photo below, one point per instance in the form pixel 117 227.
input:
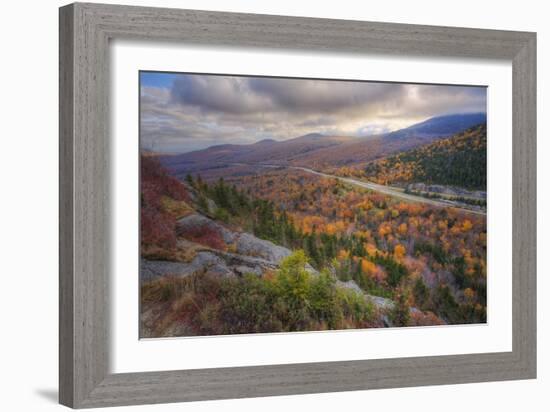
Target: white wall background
pixel 28 228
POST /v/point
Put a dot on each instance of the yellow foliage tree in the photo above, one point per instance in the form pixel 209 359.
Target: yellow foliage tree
pixel 402 229
pixel 343 254
pixel 399 251
pixel 466 225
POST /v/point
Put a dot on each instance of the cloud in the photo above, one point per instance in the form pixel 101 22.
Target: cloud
pixel 197 111
pixel 218 93
pixel 315 96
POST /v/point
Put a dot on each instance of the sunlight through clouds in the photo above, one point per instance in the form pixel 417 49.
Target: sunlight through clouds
pixel 182 112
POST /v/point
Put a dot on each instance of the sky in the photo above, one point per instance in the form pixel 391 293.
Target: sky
pixel 186 112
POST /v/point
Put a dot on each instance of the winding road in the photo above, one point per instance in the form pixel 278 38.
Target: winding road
pixel 387 190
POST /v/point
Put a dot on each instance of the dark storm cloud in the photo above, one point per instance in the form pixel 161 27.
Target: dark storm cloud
pixel 198 111
pixel 217 93
pixel 311 96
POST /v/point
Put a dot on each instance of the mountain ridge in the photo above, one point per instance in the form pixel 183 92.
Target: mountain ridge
pixel 317 150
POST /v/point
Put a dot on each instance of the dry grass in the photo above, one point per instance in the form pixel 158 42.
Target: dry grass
pixel 177 208
pixel 185 251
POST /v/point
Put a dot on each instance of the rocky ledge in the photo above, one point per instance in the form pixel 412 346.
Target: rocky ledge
pixel 243 253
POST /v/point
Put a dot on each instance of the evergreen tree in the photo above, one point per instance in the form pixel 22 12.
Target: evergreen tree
pixel 189 179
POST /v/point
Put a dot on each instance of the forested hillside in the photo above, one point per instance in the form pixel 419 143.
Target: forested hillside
pixel 457 161
pixel 435 257
pixel 287 251
pixel 209 265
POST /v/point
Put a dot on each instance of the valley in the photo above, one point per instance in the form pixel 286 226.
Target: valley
pixel 258 238
pixel 396 192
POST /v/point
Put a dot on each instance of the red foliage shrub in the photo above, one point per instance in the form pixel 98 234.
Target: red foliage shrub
pixel 158 226
pixel 206 236
pixel 425 319
pixel 155 178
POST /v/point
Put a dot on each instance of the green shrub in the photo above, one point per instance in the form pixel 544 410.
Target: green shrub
pixel 324 300
pixel 400 314
pixel 290 300
pixel 355 307
pixel 249 305
pixel 421 294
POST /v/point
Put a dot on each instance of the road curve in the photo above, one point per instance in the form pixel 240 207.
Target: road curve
pixel 387 190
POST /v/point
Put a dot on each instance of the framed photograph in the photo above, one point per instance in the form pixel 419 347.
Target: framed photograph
pixel 256 205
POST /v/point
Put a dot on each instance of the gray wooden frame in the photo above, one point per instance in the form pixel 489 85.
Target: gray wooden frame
pixel 85 31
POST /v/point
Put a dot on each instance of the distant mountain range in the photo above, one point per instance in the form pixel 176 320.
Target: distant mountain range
pixel 441 126
pixel 316 150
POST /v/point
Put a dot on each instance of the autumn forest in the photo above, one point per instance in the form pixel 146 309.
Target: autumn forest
pixel 336 228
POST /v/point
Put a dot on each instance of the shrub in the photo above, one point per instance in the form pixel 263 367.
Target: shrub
pixel 425 319
pixel 204 235
pixel 421 294
pixel 400 314
pixel 293 285
pixel 355 307
pixel 249 305
pixel 154 176
pixel 324 300
pixel 446 304
pixel 290 300
pixel 157 224
pixel 157 228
